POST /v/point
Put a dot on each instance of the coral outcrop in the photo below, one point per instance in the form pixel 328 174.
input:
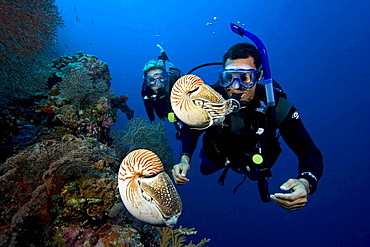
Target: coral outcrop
pixel 59 162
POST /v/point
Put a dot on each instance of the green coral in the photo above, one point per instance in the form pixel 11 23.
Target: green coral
pixel 176 237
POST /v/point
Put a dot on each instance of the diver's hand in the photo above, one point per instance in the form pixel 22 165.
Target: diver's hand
pixel 295 200
pixel 179 171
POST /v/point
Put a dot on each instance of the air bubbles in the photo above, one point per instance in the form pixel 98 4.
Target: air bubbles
pixel 210 25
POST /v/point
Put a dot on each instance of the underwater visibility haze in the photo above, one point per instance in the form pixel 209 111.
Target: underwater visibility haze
pixel 318 52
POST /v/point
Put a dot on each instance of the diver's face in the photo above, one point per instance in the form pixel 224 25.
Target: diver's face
pixel 154 71
pixel 242 63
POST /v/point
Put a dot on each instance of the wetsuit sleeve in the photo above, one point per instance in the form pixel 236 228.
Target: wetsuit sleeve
pixel 189 140
pixel 310 160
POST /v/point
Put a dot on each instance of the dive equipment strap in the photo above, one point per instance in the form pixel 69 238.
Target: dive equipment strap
pixel 203 65
pixel 282 110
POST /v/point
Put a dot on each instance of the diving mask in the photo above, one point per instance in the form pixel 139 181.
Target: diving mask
pixel 156 79
pixel 238 78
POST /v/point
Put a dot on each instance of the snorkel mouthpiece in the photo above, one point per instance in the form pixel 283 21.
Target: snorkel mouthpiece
pixel 265 63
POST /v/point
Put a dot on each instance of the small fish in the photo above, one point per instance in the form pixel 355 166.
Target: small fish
pixel 92 22
pixel 77 18
pixel 75 8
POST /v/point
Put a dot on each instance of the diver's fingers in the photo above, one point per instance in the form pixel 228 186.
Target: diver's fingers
pixel 175 170
pixel 295 195
pixel 179 173
pixel 184 169
pixel 181 168
pixel 298 190
pixel 290 184
pixel 181 180
pixel 287 202
pixel 290 206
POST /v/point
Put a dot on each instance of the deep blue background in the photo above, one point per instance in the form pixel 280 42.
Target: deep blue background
pixel 319 53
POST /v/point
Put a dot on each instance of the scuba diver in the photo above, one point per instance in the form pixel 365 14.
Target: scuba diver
pixel 247 142
pixel 159 77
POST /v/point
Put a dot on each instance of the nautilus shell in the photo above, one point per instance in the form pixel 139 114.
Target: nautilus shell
pixel 197 104
pixel 146 190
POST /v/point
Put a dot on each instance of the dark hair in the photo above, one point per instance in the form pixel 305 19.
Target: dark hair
pixel 243 50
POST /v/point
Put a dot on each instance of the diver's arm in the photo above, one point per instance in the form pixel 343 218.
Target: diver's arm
pixel 310 165
pixel 189 140
pixel 298 139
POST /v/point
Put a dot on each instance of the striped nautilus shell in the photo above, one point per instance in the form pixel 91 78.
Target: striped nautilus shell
pixel 197 104
pixel 146 190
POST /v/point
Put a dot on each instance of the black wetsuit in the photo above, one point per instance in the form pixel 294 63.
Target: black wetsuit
pixel 236 140
pixel 159 103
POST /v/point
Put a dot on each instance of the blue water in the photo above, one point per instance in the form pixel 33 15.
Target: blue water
pixel 319 53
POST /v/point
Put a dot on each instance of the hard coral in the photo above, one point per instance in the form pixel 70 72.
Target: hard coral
pixel 103 104
pixel 90 196
pixel 106 236
pixel 38 174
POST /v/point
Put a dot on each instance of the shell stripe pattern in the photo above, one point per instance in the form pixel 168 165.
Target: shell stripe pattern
pixel 196 103
pixel 181 89
pixel 147 192
pixel 140 162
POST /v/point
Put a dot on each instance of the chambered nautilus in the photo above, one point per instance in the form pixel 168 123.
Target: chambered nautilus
pixel 146 190
pixel 197 104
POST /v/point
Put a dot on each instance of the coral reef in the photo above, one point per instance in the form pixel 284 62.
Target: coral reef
pixel 82 99
pixel 37 175
pixel 59 161
pixel 79 102
pixel 60 185
pixel 28 33
pixel 139 134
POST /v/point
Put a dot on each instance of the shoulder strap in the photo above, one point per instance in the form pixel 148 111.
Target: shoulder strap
pixel 282 109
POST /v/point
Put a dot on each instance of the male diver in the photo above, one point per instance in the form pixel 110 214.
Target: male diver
pixel 247 141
